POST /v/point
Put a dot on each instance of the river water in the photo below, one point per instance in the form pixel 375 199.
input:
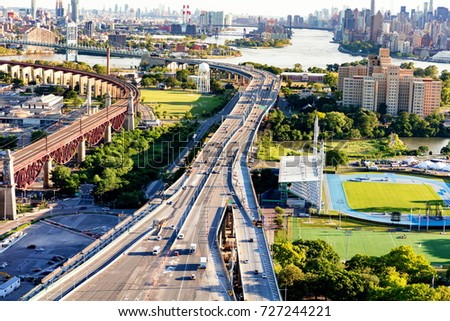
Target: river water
pixel 309 48
pixel 435 144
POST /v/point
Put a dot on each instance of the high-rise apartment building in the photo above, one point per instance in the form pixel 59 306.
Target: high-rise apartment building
pixel 381 82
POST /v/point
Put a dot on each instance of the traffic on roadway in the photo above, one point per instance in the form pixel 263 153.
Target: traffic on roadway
pixel 154 259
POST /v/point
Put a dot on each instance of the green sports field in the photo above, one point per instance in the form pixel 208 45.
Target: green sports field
pixel 347 242
pixel 388 197
pixel 176 103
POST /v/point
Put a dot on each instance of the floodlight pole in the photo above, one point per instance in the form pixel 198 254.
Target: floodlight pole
pixel 418 226
pixel 410 220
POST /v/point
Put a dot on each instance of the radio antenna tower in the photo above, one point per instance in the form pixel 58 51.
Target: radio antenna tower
pixel 186 14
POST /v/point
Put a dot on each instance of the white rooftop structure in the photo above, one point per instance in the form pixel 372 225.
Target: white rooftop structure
pixel 298 169
pixel 441 56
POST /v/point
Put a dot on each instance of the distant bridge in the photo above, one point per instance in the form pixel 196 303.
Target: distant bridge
pixel 115 52
pixel 312 28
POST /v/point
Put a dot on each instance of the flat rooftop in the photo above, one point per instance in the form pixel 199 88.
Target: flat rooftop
pixel 298 169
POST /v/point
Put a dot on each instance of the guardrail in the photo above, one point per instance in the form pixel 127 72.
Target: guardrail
pixel 95 247
pixel 88 251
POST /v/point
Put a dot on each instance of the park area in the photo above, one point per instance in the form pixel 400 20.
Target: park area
pixel 389 197
pixel 365 238
pixel 173 104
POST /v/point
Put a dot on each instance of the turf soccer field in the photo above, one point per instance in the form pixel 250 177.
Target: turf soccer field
pixel 388 197
pixel 175 103
pixel 347 242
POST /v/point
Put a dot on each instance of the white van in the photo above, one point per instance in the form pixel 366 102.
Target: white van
pixel 156 250
pixel 180 236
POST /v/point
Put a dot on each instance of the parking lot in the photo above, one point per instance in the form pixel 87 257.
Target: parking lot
pixel 46 246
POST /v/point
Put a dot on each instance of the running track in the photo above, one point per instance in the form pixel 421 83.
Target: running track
pixel 337 200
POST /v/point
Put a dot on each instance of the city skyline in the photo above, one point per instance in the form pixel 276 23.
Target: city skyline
pixel 252 7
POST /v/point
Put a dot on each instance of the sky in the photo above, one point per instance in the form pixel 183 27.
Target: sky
pixel 275 8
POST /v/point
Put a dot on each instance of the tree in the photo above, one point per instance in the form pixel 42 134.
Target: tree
pixel 216 86
pixel 65 180
pixel 435 124
pixel 38 134
pixel 290 275
pixel 331 79
pixel 446 151
pixel 337 123
pixel 279 221
pixel 148 81
pixel 17 83
pixel 182 75
pixel 279 210
pixel 382 109
pixel 441 293
pixel 423 149
pixel 99 69
pixel 407 65
pixel 432 72
pixel 335 158
pixel 287 253
pixel 77 102
pixel 403 258
pixel 445 75
pixel 401 125
pixel 70 94
pixel 366 121
pixel 171 82
pixel 8 142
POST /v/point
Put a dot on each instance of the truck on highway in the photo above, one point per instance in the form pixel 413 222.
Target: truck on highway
pixel 193 248
pixel 203 262
pixel 156 250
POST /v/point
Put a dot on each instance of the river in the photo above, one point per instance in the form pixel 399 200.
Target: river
pixel 310 48
pixel 435 144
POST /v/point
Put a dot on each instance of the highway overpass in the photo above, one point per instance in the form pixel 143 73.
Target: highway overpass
pixel 125 269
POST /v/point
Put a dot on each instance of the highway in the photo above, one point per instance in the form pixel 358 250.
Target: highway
pixel 127 270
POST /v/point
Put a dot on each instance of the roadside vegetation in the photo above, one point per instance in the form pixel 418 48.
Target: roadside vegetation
pixel 357 132
pixel 312 270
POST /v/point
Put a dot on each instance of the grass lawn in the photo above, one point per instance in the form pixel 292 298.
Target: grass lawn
pixel 358 238
pixel 272 151
pixel 388 197
pixel 176 103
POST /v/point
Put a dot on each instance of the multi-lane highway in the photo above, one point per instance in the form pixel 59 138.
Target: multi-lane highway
pixel 127 269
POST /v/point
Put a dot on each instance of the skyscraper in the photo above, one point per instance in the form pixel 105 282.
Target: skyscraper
pixel 74 10
pixel 33 9
pixel 372 7
pixel 59 11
